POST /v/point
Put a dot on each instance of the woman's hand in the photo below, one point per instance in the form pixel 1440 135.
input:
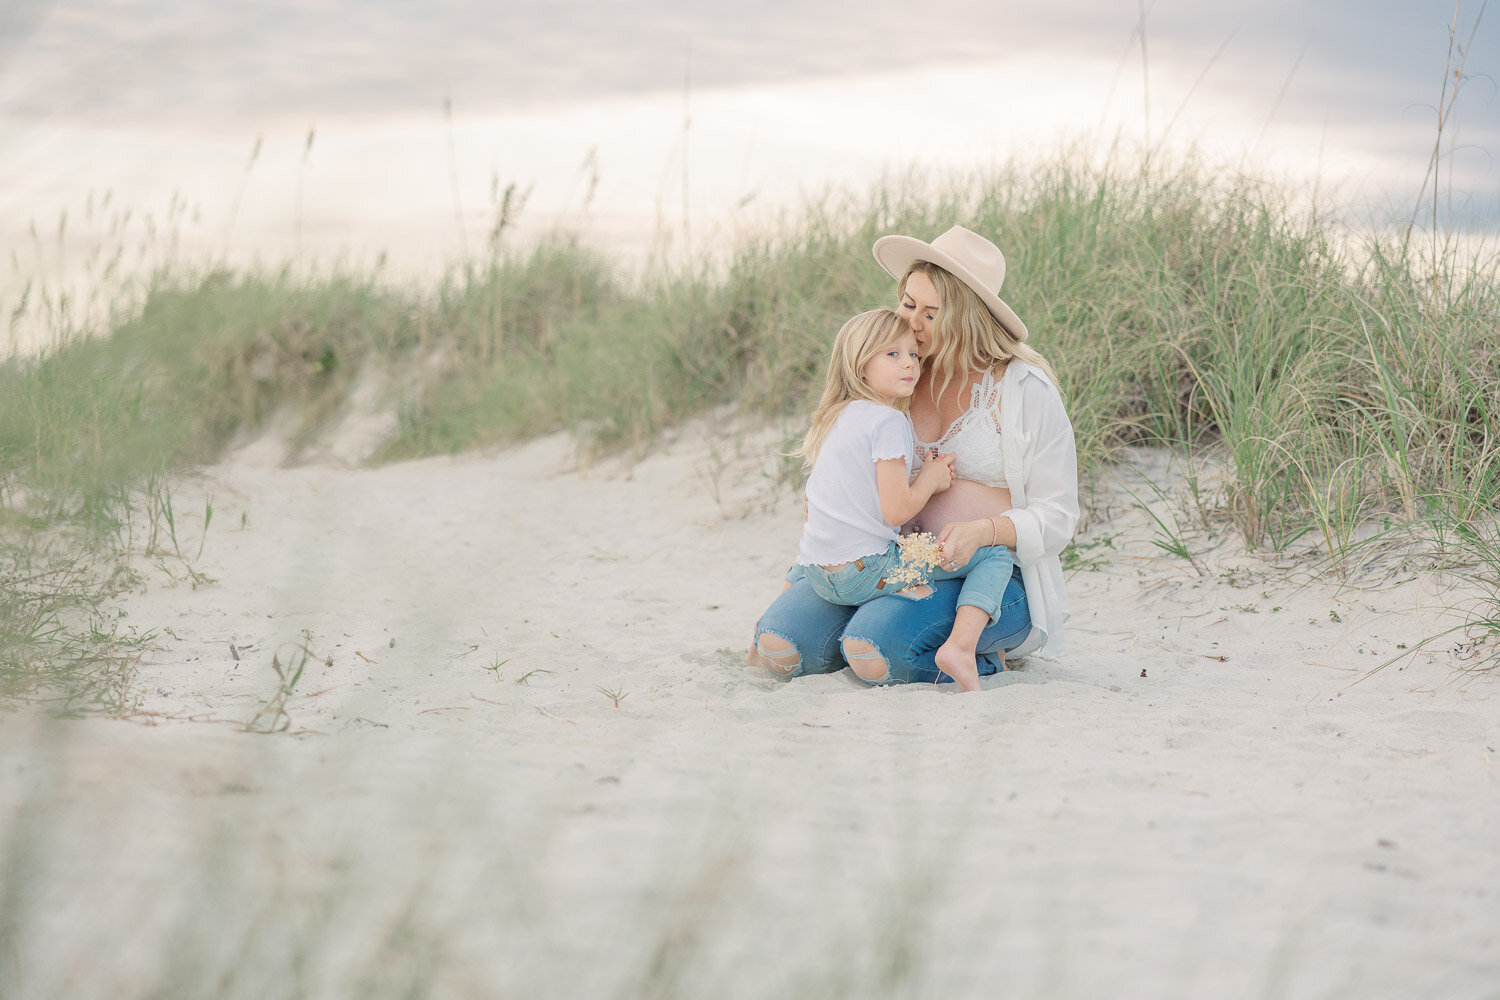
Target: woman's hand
pixel 961 539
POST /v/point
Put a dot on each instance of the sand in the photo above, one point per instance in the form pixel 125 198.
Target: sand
pixel 525 757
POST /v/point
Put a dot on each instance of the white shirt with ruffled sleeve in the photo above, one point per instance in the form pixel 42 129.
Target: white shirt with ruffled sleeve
pixel 843 498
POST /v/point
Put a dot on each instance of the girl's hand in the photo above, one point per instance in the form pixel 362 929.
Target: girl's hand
pixel 936 474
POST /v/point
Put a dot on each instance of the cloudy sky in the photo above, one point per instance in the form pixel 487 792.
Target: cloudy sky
pixel 189 57
pixel 782 92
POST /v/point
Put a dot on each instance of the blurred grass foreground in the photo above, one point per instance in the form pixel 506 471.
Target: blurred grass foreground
pixel 1345 384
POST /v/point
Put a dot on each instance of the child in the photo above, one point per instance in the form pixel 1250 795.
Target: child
pixel 861 449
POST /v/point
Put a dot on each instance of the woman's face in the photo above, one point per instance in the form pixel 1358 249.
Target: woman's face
pixel 919 307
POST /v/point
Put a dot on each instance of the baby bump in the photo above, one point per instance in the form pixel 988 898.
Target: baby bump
pixel 965 500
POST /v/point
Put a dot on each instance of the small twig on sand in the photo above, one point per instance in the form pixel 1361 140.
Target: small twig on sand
pixel 558 718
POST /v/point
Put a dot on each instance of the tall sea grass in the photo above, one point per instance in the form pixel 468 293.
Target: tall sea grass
pixel 1344 382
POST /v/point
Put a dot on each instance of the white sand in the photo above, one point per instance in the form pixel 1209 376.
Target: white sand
pixel 1210 796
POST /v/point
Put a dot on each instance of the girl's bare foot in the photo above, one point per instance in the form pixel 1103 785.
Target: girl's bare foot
pixel 960 664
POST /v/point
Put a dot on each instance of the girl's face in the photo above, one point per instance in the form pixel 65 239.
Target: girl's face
pixel 919 307
pixel 892 373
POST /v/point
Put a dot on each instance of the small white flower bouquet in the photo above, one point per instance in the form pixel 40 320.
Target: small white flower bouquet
pixel 920 554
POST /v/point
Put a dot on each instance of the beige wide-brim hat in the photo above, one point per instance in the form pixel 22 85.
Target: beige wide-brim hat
pixel 966 255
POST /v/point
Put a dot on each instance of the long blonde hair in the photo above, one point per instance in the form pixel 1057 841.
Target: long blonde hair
pixel 858 341
pixel 969 337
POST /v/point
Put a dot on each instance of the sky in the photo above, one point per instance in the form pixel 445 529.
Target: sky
pixel 106 58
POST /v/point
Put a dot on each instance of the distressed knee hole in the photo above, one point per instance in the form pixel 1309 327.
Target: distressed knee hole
pixel 916 591
pixel 776 654
pixel 865 660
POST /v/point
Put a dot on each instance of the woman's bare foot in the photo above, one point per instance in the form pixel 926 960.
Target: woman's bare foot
pixel 959 663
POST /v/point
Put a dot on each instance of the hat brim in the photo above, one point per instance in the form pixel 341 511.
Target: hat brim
pixel 897 253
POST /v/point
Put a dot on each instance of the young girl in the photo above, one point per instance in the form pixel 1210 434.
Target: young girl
pixel 860 491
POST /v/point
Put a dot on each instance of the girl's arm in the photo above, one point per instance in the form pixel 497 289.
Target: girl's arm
pixel 901 500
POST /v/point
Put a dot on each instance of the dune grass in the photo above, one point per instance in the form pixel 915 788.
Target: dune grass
pixel 1347 385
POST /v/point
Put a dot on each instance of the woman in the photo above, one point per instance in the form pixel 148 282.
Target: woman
pixel 992 401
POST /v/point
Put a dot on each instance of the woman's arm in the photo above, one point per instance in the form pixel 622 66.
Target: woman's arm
pixel 1045 524
pixel 900 500
pixel 961 539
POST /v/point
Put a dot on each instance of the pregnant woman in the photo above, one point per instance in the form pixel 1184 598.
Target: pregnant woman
pixel 992 402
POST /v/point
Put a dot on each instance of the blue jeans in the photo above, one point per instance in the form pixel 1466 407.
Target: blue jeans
pixel 984 578
pixel 905 631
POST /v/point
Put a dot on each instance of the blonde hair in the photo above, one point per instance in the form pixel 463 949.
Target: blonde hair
pixel 969 337
pixel 858 341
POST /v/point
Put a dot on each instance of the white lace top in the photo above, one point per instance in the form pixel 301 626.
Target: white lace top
pixel 974 438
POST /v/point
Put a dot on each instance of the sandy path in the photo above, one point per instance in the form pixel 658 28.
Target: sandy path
pixel 526 759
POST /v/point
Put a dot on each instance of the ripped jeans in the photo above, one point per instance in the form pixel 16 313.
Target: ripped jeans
pixel 902 631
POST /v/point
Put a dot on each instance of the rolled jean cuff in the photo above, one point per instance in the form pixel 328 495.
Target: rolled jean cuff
pixel 992 612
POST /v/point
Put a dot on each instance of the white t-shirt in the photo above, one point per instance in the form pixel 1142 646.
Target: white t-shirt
pixel 843 499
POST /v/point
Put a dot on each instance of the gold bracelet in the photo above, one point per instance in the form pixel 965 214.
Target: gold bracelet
pixel 995 527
